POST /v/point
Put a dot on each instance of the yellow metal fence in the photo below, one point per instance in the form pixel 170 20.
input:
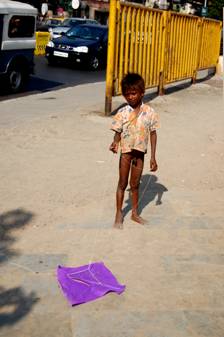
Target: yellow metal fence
pixel 210 43
pixel 162 46
pixel 182 42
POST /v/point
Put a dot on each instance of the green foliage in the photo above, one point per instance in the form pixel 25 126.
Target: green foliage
pixel 215 10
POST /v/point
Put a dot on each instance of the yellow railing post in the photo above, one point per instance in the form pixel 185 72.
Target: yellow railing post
pixel 218 66
pixel 110 56
pixel 164 51
pixel 199 46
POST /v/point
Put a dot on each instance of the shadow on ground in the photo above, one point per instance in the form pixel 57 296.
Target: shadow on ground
pixel 150 190
pixel 48 78
pixel 10 221
pixel 36 85
pixel 14 303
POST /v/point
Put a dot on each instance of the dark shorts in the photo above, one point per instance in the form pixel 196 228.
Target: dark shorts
pixel 134 157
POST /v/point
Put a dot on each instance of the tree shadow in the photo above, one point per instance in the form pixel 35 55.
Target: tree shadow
pixel 149 191
pixel 10 221
pixel 14 303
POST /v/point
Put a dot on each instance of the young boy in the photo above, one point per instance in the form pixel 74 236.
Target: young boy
pixel 133 125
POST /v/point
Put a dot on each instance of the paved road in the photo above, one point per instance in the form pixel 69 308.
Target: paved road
pixel 47 78
pixel 57 183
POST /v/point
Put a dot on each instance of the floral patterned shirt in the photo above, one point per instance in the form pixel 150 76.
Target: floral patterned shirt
pixel 135 130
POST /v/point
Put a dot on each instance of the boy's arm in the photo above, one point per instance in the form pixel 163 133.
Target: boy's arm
pixel 115 144
pixel 153 141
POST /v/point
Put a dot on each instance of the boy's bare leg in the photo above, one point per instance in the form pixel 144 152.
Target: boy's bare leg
pixel 136 173
pixel 118 222
pixel 135 216
pixel 124 168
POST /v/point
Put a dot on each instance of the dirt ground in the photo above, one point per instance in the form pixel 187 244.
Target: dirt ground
pixel 58 182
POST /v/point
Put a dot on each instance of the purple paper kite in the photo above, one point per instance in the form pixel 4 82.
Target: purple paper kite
pixel 87 283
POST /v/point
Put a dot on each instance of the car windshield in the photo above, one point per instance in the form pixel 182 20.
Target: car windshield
pixel 83 32
pixel 70 22
pixel 53 22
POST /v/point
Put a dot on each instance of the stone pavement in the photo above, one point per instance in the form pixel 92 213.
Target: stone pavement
pixel 57 182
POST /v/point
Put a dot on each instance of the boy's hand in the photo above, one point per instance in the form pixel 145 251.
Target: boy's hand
pixel 114 147
pixel 153 164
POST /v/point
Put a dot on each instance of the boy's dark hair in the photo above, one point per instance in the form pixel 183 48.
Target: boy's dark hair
pixel 132 81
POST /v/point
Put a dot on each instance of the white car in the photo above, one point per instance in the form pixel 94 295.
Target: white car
pixel 68 24
pixel 17 44
pixel 58 31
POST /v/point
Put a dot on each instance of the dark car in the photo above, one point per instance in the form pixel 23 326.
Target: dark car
pixel 84 44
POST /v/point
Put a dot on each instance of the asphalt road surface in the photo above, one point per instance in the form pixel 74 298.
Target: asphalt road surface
pixel 52 78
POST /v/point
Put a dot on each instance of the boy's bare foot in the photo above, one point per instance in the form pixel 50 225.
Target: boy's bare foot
pixel 137 218
pixel 118 223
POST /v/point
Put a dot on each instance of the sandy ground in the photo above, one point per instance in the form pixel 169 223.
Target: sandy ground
pixel 58 182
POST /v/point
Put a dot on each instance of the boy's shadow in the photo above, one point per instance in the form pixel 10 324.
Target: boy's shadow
pixel 149 190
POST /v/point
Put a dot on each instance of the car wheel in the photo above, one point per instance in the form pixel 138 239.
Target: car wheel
pixel 94 63
pixel 16 78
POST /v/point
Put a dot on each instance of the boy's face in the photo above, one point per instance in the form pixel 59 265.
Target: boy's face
pixel 133 97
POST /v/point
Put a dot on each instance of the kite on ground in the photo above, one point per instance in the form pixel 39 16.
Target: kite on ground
pixel 87 283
